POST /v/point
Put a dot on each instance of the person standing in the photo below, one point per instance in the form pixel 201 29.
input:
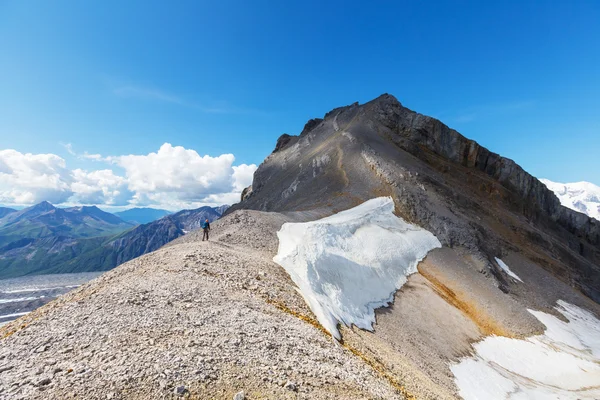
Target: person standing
pixel 206 228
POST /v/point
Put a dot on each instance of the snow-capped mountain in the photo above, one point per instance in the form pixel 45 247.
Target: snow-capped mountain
pixel 579 196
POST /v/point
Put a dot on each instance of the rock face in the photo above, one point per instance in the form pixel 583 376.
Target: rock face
pixel 465 194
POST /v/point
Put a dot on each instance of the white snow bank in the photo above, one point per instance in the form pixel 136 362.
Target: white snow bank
pixel 506 269
pixel 353 262
pixel 563 363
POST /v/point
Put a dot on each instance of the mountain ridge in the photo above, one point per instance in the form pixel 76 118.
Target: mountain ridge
pixel 438 178
pixel 142 215
pixel 51 248
pixel 4 211
pixel 504 268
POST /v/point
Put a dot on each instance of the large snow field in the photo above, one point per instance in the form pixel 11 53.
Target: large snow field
pixel 563 363
pixel 579 196
pixel 353 262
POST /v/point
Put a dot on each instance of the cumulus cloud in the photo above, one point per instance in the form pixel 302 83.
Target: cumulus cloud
pixel 173 178
pixel 242 176
pixel 100 187
pixel 178 170
pixel 31 178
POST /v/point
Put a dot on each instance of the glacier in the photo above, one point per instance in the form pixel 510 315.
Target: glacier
pixel 579 196
pixel 562 363
pixel 349 264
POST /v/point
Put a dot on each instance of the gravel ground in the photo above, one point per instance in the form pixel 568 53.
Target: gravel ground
pixel 220 320
pixel 193 320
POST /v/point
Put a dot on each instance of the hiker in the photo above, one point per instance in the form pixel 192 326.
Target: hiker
pixel 206 227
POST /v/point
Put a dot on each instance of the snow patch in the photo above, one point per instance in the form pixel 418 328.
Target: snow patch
pixel 507 270
pixel 353 262
pixel 563 363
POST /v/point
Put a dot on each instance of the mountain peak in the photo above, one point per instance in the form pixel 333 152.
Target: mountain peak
pixel 386 98
pixel 43 206
pixel 437 177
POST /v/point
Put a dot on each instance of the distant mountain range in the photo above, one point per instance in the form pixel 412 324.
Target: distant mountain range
pixel 4 211
pixel 142 215
pixel 579 196
pixel 43 239
pixel 44 220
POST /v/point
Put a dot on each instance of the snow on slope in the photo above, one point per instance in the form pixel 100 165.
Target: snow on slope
pixel 579 196
pixel 563 363
pixel 353 262
pixel 507 270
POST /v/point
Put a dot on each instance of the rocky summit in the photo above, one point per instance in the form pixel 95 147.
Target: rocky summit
pixel 468 196
pixel 220 319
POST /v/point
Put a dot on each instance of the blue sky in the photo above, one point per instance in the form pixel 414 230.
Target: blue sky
pixel 118 78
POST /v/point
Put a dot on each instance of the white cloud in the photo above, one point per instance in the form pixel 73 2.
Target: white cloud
pixel 69 148
pixel 242 176
pixel 31 178
pixel 172 178
pixel 100 187
pixel 178 170
pixel 93 157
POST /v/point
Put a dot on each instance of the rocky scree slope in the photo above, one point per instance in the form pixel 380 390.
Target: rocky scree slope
pixel 468 196
pixel 211 319
pixel 192 320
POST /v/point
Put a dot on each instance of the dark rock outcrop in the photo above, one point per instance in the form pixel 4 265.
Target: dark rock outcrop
pixel 282 142
pixel 310 125
pixel 246 193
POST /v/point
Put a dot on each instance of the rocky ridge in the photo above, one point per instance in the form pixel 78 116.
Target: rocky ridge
pixel 192 320
pixel 465 194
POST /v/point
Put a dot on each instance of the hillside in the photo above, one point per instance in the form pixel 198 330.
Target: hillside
pixel 379 254
pixel 4 211
pixel 44 220
pixel 46 240
pixel 43 238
